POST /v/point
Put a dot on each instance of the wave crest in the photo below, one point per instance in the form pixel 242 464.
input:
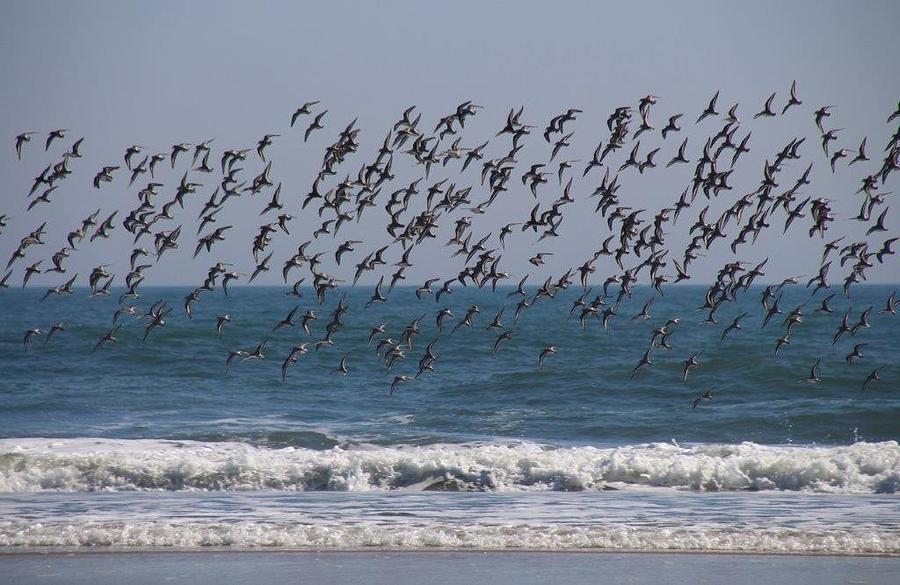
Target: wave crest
pixel 28 465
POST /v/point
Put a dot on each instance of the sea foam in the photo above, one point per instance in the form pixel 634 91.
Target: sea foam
pixel 28 465
pixel 249 535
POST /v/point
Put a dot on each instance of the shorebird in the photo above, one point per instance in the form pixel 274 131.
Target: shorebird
pixel 426 288
pixel 813 377
pixel 690 364
pixel 441 316
pixel 781 342
pixel 855 353
pixel 707 395
pixel 108 337
pixel 303 110
pixel 710 109
pixel 735 325
pixel 21 139
pixel 502 338
pixel 377 297
pixel 288 321
pixel 232 355
pixel 308 317
pixel 220 323
pixel 872 377
pixel 258 353
pixel 342 367
pixel 467 319
pixel 377 330
pixel 793 100
pixel 890 306
pixel 56 327
pixel 28 335
pixel 54 134
pixel 397 381
pixel 549 350
pixel 315 125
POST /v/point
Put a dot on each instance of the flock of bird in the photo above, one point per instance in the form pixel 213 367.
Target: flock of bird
pixel 636 242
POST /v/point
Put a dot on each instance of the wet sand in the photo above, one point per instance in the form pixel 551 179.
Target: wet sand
pixel 420 568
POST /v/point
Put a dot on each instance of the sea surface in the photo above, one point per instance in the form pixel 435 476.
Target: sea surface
pixel 154 445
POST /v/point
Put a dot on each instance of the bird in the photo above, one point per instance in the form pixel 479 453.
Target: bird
pixel 53 135
pixel 397 381
pixel 710 109
pixel 21 140
pixel 855 353
pixel 108 337
pixel 232 355
pixel 860 153
pixel 707 395
pixel 258 353
pixel 308 317
pixel 735 325
pixel 863 321
pixel 220 323
pixel 644 361
pixel 264 143
pixel 793 100
pixel 781 342
pixel 377 330
pixel 501 339
pixel 53 329
pixel 813 377
pixel 767 109
pixel 315 125
pixel 303 110
pixel 467 319
pixel 645 310
pixel 549 350
pixel 690 364
pixel 342 367
pixel 441 316
pixel 288 321
pixel 820 115
pixel 891 303
pixel 377 297
pixel 426 288
pixel 878 226
pixel 672 125
pixel 872 377
pixel 839 154
pixel 28 335
pixel 679 156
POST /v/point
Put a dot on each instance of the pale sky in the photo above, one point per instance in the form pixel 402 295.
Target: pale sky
pixel 157 73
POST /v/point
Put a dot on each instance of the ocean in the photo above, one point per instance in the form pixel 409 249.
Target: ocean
pixel 154 445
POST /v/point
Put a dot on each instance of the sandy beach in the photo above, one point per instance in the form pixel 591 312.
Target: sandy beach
pixel 400 568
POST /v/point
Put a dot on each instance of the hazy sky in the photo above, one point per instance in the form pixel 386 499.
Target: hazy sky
pixel 157 73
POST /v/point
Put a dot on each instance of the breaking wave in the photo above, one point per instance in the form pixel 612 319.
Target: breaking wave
pixel 250 535
pixel 28 465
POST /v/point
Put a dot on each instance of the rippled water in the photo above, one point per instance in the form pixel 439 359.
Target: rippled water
pixel 174 385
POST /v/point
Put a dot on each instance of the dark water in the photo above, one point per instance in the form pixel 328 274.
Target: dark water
pixel 175 385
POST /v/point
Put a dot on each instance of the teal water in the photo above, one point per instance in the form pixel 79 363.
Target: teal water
pixel 174 386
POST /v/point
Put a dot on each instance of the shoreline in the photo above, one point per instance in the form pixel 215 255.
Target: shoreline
pixel 112 551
